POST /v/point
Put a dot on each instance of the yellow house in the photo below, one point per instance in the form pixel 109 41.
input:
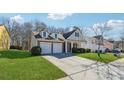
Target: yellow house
pixel 4 38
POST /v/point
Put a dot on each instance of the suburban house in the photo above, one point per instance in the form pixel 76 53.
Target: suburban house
pixel 4 38
pixel 57 42
pixel 108 44
pixel 119 45
pixel 93 43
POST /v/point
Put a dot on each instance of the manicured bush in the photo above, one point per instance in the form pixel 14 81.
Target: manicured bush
pixel 12 47
pixel 87 50
pixel 78 50
pixel 107 50
pixel 98 51
pixel 75 50
pixel 82 50
pixel 35 51
pixel 15 47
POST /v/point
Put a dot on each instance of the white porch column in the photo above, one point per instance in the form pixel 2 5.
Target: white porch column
pixel 66 47
pixel 79 45
pixel 71 46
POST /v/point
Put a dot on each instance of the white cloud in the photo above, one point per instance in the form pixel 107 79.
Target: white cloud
pixel 17 18
pixel 58 16
pixel 113 28
pixel 115 23
pixel 109 25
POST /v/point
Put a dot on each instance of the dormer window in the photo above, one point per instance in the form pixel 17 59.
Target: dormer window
pixel 44 34
pixel 55 35
pixel 76 34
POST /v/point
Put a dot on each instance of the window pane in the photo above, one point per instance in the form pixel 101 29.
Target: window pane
pixel 55 35
pixel 76 34
pixel 44 34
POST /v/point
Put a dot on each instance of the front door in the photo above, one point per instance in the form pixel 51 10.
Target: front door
pixel 68 47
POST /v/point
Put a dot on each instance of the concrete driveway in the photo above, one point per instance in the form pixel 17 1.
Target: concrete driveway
pixel 119 64
pixel 78 68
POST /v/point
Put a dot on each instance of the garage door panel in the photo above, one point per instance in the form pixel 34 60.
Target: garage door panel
pixel 57 47
pixel 46 48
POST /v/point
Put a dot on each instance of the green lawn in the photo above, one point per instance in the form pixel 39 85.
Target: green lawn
pixel 106 58
pixel 20 65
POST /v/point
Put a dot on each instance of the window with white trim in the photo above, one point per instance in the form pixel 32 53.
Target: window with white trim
pixel 76 34
pixel 55 35
pixel 44 34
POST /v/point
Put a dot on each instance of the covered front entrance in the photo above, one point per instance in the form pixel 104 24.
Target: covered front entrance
pixel 71 44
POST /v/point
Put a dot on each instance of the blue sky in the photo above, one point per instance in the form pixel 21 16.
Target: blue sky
pixel 79 19
pixel 71 19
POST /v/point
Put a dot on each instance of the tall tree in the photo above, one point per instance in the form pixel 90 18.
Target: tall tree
pixel 27 29
pixel 14 29
pixel 39 26
pixel 99 31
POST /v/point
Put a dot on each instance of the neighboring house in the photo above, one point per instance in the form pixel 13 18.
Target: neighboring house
pixel 119 45
pixel 108 44
pixel 90 43
pixel 93 43
pixel 4 38
pixel 56 42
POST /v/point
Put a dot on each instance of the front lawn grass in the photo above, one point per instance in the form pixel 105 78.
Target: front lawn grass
pixel 106 58
pixel 20 65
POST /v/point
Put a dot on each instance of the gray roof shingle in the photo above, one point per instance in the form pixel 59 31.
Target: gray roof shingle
pixel 37 36
pixel 66 35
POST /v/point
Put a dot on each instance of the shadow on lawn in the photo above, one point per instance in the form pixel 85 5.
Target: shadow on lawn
pixel 13 54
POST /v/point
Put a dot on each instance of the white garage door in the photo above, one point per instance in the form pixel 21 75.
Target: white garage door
pixel 57 47
pixel 46 47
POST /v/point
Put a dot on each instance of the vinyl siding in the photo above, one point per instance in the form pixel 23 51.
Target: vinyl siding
pixel 73 37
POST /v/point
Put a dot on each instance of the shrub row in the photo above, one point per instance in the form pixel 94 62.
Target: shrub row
pixel 81 50
pixel 35 51
pixel 98 51
pixel 15 47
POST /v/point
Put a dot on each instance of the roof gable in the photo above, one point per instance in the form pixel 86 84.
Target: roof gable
pixel 66 35
pixel 37 36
